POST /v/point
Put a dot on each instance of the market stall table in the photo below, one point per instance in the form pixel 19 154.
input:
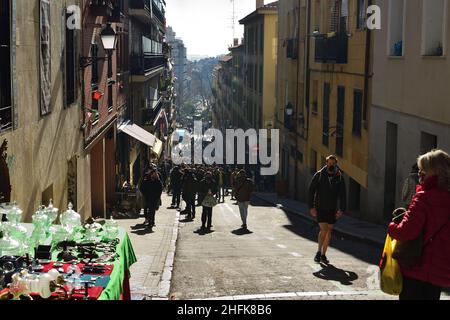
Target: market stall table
pixel 113 283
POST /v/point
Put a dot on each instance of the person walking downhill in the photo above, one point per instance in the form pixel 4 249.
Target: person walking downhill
pixel 428 216
pixel 175 180
pixel 151 189
pixel 189 193
pixel 410 186
pixel 243 192
pixel 327 202
pixel 207 187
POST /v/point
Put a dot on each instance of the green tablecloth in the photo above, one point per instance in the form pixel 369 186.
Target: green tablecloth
pixel 126 258
pixel 122 266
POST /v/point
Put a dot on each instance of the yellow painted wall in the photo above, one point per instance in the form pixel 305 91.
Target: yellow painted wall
pixel 270 68
pixel 351 76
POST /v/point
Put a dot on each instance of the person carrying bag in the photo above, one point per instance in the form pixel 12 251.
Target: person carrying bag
pixel 424 232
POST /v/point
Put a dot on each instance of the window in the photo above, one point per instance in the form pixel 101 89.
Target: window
pixel 396 23
pixel 340 122
pixel 261 41
pixel 428 142
pixel 434 13
pixel 110 97
pixel 45 57
pixel 313 161
pixel 357 112
pixel 70 64
pixel 361 14
pixel 5 67
pixel 326 114
pixel 315 107
pixel 261 77
pixel 94 54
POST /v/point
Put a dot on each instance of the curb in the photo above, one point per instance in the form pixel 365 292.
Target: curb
pixel 337 229
pixel 166 278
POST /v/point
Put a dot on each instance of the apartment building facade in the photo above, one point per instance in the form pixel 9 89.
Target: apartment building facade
pixel 147 122
pixel 40 103
pixel 409 112
pixel 260 60
pixel 339 79
pixel 292 110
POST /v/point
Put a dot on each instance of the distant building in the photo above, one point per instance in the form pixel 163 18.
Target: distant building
pixel 179 55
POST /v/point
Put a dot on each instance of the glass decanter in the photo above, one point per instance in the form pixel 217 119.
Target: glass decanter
pixel 8 245
pixel 70 219
pixel 40 222
pixel 52 213
pixel 15 229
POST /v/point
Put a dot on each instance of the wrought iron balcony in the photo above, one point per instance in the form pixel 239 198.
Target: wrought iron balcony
pixel 331 49
pixel 141 4
pixel 158 12
pixel 141 10
pixel 144 64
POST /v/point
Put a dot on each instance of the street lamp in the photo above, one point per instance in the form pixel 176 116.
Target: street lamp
pixel 289 110
pixel 109 40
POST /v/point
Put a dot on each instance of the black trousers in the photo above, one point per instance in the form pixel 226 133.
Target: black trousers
pixel 150 215
pixel 418 290
pixel 176 197
pixel 207 217
pixel 190 207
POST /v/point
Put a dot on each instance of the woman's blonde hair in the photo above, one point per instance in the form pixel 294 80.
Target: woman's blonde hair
pixel 438 162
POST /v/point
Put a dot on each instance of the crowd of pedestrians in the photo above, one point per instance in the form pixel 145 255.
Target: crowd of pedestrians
pixel 197 186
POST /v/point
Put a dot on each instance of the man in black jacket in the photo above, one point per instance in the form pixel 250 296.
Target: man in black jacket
pixel 151 188
pixel 176 182
pixel 327 202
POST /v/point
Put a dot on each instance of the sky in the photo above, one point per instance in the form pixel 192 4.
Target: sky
pixel 205 26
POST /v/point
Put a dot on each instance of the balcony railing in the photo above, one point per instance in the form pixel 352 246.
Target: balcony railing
pixel 159 13
pixel 331 50
pixel 141 4
pixel 141 65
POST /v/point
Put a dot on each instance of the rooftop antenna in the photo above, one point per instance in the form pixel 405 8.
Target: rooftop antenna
pixel 233 19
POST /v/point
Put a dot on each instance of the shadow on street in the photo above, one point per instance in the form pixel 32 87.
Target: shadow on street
pixel 309 230
pixel 241 232
pixel 201 232
pixel 330 272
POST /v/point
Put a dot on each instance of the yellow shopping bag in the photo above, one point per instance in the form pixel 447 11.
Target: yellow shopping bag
pixel 391 280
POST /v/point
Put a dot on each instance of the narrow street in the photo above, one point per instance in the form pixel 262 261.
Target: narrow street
pixel 274 261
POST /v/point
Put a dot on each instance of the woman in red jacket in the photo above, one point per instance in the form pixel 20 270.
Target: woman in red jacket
pixel 429 214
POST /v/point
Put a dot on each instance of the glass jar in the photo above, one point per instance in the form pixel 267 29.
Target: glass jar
pixel 111 229
pixel 8 245
pixel 15 229
pixel 52 213
pixel 70 219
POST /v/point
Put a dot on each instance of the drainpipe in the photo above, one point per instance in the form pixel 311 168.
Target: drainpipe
pixel 367 74
pixel 297 102
pixel 307 69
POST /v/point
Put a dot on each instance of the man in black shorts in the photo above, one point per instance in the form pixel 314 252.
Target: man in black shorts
pixel 327 202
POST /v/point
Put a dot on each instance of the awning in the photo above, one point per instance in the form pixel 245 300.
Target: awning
pixel 158 148
pixel 143 136
pixel 139 134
